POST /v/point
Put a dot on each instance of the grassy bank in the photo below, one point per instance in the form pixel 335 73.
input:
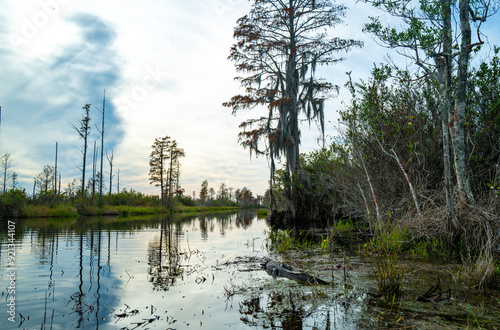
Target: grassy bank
pixel 73 211
pixel 183 208
pixel 46 211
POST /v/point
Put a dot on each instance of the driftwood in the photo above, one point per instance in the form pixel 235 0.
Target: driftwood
pixel 281 270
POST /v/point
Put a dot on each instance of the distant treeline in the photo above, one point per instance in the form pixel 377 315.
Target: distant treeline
pixel 17 203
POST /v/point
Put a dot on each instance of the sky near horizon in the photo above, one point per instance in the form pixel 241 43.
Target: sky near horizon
pixel 165 70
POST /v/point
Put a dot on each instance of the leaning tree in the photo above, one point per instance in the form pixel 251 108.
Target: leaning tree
pixel 279 45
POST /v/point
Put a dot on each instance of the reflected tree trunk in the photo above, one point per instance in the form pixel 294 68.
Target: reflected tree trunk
pixel 98 300
pixel 79 302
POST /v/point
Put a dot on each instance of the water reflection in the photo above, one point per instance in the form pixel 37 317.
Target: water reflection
pixel 226 222
pixel 104 272
pixel 184 272
pixel 60 273
pixel 164 256
pixel 85 300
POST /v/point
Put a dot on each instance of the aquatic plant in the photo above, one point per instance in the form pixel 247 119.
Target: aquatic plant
pixel 262 213
pixel 389 247
pixel 283 240
pixel 431 248
pixel 280 240
pixel 469 307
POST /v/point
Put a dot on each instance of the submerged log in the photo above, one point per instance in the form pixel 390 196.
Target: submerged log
pixel 281 270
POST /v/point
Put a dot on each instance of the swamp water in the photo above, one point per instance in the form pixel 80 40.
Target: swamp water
pixel 201 272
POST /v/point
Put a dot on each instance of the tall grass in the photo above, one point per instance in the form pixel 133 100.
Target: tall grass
pixel 47 211
pixel 389 247
pixel 283 240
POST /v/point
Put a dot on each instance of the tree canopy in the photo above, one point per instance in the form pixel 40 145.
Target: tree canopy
pixel 279 45
pixel 165 165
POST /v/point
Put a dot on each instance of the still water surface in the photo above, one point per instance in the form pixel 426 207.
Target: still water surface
pixel 113 274
pixel 203 272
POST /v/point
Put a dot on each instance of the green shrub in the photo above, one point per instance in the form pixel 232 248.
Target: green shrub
pixel 282 241
pixel 132 197
pixel 12 203
pixel 52 211
pixel 344 226
pixel 186 200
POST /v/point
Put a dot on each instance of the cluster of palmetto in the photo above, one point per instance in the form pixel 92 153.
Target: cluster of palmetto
pixel 164 162
pixel 280 43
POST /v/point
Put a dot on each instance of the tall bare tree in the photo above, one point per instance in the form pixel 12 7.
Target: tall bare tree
pixel 5 164
pixel 110 161
pixel 102 148
pixel 83 132
pixel 55 171
pixel 93 180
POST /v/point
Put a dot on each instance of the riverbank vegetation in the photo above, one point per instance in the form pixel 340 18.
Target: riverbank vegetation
pixel 402 280
pixel 15 203
pixel 392 137
pixel 417 149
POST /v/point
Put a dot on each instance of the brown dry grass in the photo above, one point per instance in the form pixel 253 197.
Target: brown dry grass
pixel 479 233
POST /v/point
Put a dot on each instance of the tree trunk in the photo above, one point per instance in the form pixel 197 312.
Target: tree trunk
pixel 84 133
pixel 161 178
pixel 170 176
pixel 102 149
pixel 110 161
pixel 379 217
pixel 457 118
pixel 444 77
pixel 94 171
pixel 410 185
pixel 55 173
pixel 367 209
pixel 291 120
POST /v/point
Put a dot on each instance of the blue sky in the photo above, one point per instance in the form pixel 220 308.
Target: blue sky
pixel 164 66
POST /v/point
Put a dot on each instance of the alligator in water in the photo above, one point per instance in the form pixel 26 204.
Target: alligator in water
pixel 278 269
